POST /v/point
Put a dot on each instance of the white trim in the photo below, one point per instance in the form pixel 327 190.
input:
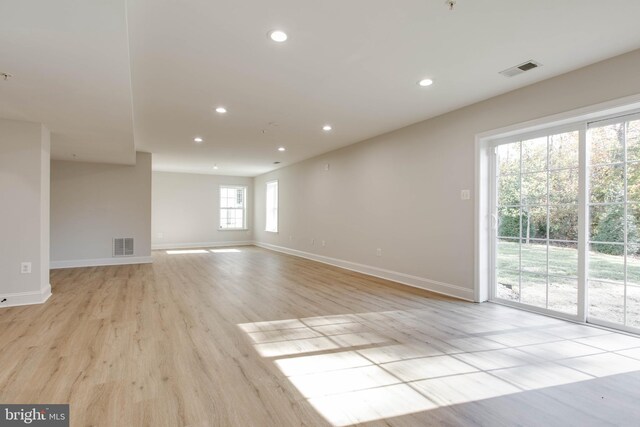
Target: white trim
pixel 26 298
pixel 617 327
pixel 406 279
pixel 590 113
pixel 538 310
pixel 200 245
pixel 76 263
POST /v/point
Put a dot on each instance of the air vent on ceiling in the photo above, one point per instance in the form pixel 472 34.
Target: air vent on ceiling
pixel 519 69
pixel 122 246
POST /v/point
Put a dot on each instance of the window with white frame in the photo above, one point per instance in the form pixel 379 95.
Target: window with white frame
pixel 272 207
pixel 233 207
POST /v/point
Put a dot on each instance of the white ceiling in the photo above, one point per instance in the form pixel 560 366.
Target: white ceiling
pixel 353 64
pixel 70 62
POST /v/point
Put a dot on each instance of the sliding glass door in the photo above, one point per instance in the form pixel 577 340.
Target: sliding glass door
pixel 614 218
pixel 555 190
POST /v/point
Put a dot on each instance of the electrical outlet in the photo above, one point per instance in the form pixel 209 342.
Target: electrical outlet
pixel 327 166
pixel 465 194
pixel 25 268
pixel 160 235
pixel 291 238
pixel 379 252
pixel 313 242
pixel 324 243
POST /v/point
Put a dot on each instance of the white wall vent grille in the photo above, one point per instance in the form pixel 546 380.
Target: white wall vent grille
pixel 519 69
pixel 123 246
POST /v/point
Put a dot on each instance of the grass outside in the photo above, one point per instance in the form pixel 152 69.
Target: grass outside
pixel 606 300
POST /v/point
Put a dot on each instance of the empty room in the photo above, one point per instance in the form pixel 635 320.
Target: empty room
pixel 319 213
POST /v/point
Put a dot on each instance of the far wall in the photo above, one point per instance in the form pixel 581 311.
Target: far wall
pixel 93 203
pixel 186 212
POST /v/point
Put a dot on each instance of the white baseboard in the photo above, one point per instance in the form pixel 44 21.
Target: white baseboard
pixel 406 279
pixel 26 298
pixel 76 263
pixel 200 245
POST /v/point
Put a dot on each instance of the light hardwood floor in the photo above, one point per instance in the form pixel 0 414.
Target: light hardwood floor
pixel 257 338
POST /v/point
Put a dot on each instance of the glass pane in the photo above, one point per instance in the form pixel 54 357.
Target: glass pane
pixel 633 306
pixel 534 257
pixel 508 254
pixel 563 222
pixel 534 290
pixel 606 184
pixel 534 155
pixel 508 190
pixel 606 144
pixel 606 262
pixel 507 285
pixel 633 217
pixel 563 259
pixel 563 150
pixel 223 218
pixel 563 295
pixel 509 158
pixel 563 186
pixel 534 222
pixel 633 268
pixel 633 182
pixel 534 188
pixel 633 233
pixel 509 222
pixel 607 223
pixel 606 301
pixel 633 140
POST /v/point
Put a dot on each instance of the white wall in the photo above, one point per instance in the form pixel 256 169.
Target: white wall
pixel 24 212
pixel 401 191
pixel 186 210
pixel 92 203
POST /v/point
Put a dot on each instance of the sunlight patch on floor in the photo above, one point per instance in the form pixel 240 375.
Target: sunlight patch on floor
pixel 352 369
pixel 371 404
pixel 187 251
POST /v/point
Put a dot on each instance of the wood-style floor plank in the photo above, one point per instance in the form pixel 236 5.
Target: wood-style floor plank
pixel 257 338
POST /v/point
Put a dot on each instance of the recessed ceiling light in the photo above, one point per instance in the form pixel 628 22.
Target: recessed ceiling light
pixel 198 139
pixel 327 127
pixel 215 167
pixel 221 110
pixel 278 36
pixel 282 149
pixel 425 82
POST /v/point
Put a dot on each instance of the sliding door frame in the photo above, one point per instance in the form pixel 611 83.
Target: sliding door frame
pixel 576 126
pixel 485 201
